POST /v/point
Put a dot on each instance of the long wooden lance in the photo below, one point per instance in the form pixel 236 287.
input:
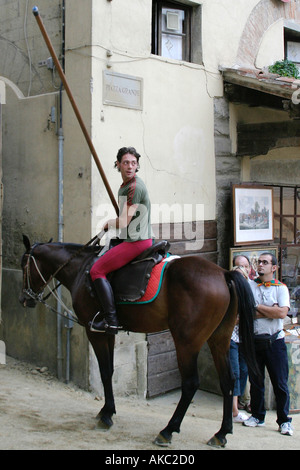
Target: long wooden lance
pixel 35 11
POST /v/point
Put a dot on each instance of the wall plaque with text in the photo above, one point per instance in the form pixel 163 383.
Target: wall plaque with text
pixel 122 90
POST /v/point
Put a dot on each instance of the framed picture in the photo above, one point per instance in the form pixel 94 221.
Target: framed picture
pixel 252 214
pixel 253 253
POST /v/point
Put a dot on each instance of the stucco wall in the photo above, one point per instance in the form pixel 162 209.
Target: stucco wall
pixel 30 179
pixel 22 48
pixel 2 102
pixel 30 166
pixel 174 138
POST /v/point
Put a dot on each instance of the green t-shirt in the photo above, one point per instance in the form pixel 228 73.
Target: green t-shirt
pixel 135 192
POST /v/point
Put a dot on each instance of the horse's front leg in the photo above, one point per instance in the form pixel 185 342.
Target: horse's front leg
pixel 103 346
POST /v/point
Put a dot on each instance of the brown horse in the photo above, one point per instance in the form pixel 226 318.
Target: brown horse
pixel 198 302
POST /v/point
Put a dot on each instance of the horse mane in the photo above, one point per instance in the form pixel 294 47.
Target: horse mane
pixel 73 247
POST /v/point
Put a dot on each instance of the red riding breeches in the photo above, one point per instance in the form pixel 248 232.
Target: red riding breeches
pixel 118 256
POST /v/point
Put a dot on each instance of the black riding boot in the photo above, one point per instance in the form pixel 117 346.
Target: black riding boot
pixel 109 322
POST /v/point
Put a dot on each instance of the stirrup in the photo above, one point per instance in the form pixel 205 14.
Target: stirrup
pixel 108 329
pixel 105 328
pixel 92 323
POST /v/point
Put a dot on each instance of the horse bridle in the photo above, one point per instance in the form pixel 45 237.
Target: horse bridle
pixel 27 278
pixel 38 296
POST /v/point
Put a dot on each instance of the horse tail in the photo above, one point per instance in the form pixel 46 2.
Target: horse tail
pixel 247 312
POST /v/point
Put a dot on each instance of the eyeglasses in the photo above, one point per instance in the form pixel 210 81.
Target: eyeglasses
pixel 127 163
pixel 263 261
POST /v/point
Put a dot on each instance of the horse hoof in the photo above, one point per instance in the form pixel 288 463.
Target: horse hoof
pixel 162 441
pixel 217 442
pixel 101 426
pixel 103 423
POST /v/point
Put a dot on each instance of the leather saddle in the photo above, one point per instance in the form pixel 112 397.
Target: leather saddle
pixel 129 283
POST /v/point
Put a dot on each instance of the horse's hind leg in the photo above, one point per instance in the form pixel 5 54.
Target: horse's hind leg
pixel 220 351
pixel 190 384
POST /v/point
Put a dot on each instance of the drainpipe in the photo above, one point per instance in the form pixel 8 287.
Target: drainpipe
pixel 68 322
pixel 60 233
pixel 60 210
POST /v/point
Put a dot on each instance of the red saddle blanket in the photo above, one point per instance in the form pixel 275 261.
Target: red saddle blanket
pixel 153 286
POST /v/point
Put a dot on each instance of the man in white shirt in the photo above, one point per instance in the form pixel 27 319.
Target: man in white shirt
pixel 272 306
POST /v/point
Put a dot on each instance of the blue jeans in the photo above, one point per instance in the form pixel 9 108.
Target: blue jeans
pixel 276 361
pixel 239 368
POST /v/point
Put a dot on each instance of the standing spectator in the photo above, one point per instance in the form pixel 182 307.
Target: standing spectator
pixel 238 364
pixel 272 305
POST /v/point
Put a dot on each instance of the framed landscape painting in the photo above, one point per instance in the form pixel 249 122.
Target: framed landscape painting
pixel 253 218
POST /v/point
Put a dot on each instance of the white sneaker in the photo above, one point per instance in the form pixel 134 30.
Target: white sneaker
pixel 253 422
pixel 239 418
pixel 286 429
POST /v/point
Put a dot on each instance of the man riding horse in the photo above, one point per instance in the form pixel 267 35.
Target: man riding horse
pixel 135 231
pixel 198 302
